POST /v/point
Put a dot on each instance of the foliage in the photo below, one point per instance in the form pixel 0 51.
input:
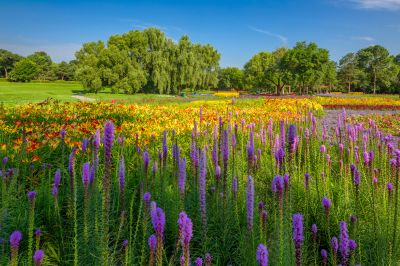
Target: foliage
pixel 147 61
pixel 7 61
pixel 24 70
pixel 291 192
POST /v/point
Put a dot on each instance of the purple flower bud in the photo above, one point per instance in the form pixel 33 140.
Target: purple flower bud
pixel 198 261
pixel 234 186
pixel 146 161
pixel 352 244
pixel 158 220
pixel 125 243
pixel 314 230
pixel 38 232
pixel 250 202
pixel 353 219
pixel 146 198
pixel 335 245
pixel 262 255
pixel 5 160
pixel 298 236
pixel 291 138
pixel 344 242
pixel 185 229
pixel 324 255
pixel 63 132
pixel 208 259
pixel 84 145
pixel 152 243
pixel 182 175
pixel 217 172
pixel 326 203
pixel 38 257
pixel 260 206
pixel 322 148
pixel 154 167
pixel 31 195
pixel 15 238
pixel 389 188
pixel 121 174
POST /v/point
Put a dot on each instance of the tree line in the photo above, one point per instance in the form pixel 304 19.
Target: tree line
pixel 37 66
pixel 149 62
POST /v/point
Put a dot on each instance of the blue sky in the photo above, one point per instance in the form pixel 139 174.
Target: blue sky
pixel 237 29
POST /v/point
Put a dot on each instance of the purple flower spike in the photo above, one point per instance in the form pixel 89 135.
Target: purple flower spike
pixel 198 261
pixel 152 243
pixel 208 259
pixel 324 255
pixel 146 161
pixel 158 220
pixel 326 203
pixel 31 195
pixel 314 230
pixel 202 185
pixel 125 243
pixel 389 188
pixel 250 203
pixel 352 244
pixel 5 160
pixel 85 174
pixel 344 242
pixel 38 257
pixel 15 238
pixel 322 148
pixel 84 145
pixel 335 245
pixel 234 186
pixel 63 132
pixel 217 172
pixel 121 174
pixel 146 198
pixel 38 232
pixel 182 175
pixel 262 255
pixel 306 180
pixel 291 138
pixel 298 236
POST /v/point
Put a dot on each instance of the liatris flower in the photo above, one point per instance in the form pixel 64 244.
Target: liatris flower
pixel 352 244
pixel 279 157
pixel 314 230
pixel 158 220
pixel 353 219
pixel 164 148
pixel 108 144
pixel 154 167
pixel 125 243
pixel 182 176
pixel 306 180
pixel 152 246
pixel 356 178
pixel 335 248
pixel 326 203
pixel 344 242
pixel 322 148
pixel 250 148
pixel 234 186
pixel 31 196
pixel 146 199
pixel 71 163
pixel 324 255
pixel 15 238
pixel 225 146
pixel 389 187
pixel 286 181
pixel 185 230
pixel 277 185
pixel 217 172
pixel 121 175
pixel 121 139
pixel 63 132
pixel 282 134
pixel 307 133
pixel 146 161
pixel 5 160
pixel 366 158
pixel 202 186
pixel 84 145
pixel 291 138
pixel 233 142
pixel 208 259
pixel 298 236
pixel 38 234
pixel 214 153
pixel 85 175
pixel 262 255
pixel 38 257
pixel 198 261
pixel 250 203
pixel 57 180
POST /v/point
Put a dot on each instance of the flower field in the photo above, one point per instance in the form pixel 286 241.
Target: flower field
pixel 376 103
pixel 389 123
pixel 245 182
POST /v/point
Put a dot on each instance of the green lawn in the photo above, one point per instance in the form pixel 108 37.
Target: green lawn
pixel 12 93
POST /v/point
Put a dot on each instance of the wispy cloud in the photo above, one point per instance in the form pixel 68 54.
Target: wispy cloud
pixel 363 38
pixel 377 4
pixel 282 38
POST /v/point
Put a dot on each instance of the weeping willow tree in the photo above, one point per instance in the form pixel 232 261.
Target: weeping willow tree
pixel 147 61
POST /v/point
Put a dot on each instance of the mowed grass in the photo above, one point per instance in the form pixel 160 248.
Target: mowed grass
pixel 13 93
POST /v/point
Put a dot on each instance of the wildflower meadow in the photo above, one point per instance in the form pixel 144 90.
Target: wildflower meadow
pixel 228 190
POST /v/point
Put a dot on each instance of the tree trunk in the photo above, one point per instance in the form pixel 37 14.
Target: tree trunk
pixel 349 86
pixel 374 82
pixel 5 72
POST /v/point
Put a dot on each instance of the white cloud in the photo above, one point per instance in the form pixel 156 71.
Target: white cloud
pixel 282 38
pixel 58 52
pixel 364 38
pixel 378 4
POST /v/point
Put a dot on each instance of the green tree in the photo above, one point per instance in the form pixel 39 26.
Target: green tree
pixel 377 64
pixel 7 61
pixel 255 70
pixel 24 70
pixel 65 71
pixel 231 78
pixel 348 71
pixel 305 62
pixel 46 69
